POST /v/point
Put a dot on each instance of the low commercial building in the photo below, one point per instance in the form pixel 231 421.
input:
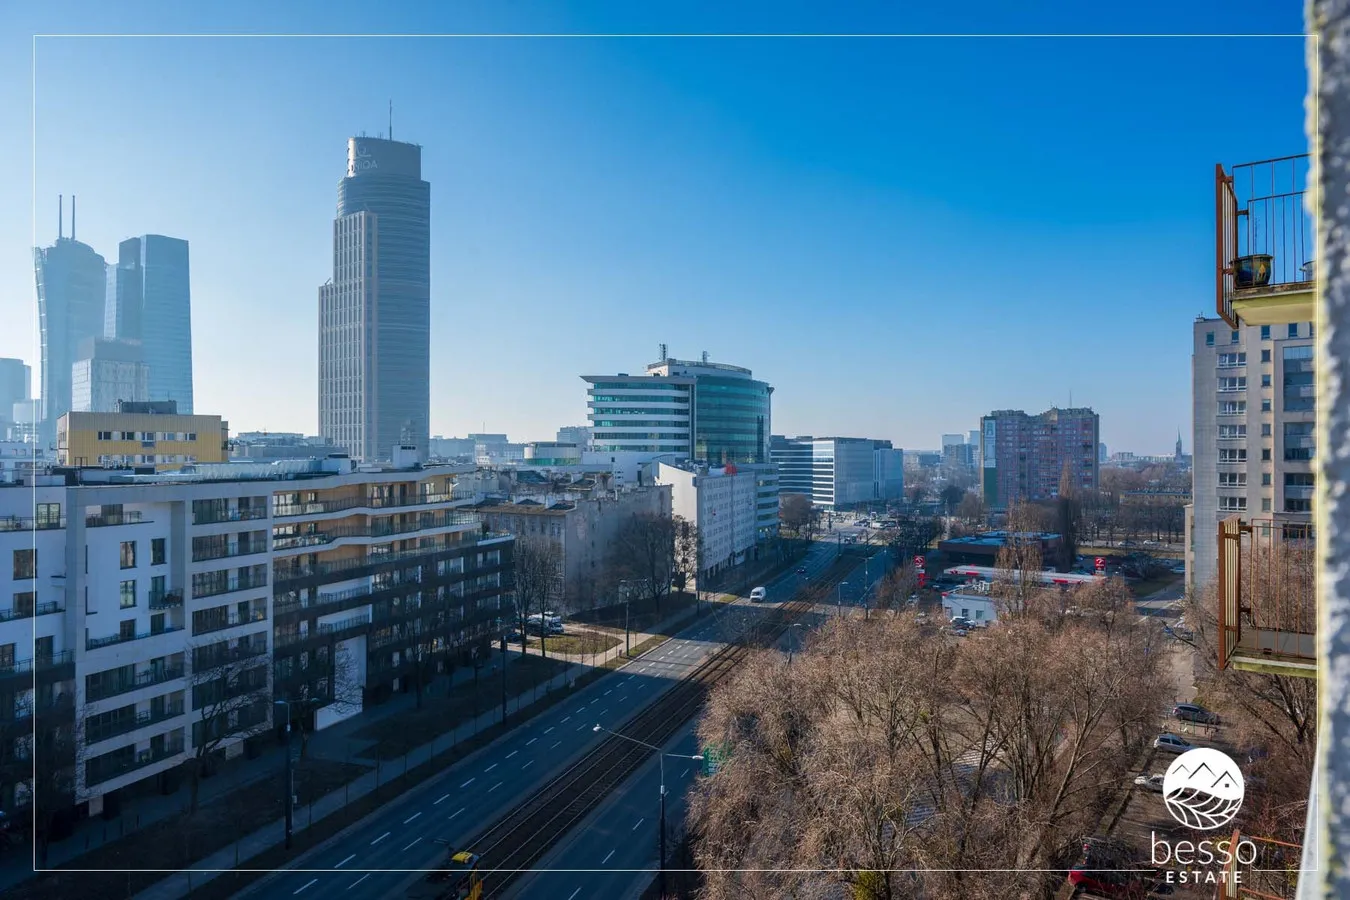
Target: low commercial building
pixel 141 434
pixel 983 549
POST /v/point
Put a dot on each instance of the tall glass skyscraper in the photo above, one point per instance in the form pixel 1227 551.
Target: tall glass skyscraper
pixel 375 312
pixel 149 300
pixel 70 287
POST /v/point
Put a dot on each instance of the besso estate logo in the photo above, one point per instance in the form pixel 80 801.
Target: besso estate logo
pixel 1203 789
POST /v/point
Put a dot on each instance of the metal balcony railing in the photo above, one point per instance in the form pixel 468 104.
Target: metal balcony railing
pixel 27 612
pixel 1265 234
pixel 205 624
pixel 315 507
pixel 374 530
pixel 110 640
pixel 165 599
pixel 126 685
pixel 103 520
pixel 103 730
pixel 105 768
pixel 1273 875
pixel 17 523
pixel 1267 607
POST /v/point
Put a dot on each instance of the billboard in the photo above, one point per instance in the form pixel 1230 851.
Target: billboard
pixel 987 453
pixel 376 156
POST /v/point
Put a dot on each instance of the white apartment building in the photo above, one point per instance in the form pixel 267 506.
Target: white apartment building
pixel 156 613
pixel 723 504
pixel 1253 433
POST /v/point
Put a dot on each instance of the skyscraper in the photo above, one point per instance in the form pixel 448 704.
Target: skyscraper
pixel 70 288
pixel 106 372
pixel 375 312
pixel 149 300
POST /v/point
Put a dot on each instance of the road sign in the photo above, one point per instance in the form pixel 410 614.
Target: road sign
pixel 918 562
pixel 713 757
pixel 1101 563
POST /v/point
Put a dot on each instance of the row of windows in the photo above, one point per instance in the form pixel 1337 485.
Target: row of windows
pixel 1292 331
pixel 136 459
pixel 629 386
pixel 638 398
pixel 127 553
pixel 147 435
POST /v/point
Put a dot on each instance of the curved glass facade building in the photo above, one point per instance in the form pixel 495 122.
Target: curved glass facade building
pixel 71 282
pixel 375 312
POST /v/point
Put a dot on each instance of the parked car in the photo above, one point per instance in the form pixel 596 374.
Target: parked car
pixel 1152 783
pixel 1103 883
pixel 801 570
pixel 1192 712
pixel 1171 743
pixel 962 622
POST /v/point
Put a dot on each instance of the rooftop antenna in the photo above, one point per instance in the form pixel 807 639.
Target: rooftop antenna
pixel 664 356
pixel 60 216
pixel 705 357
pixel 72 217
pixel 391 119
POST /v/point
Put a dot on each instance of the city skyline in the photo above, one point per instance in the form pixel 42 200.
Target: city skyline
pixel 580 178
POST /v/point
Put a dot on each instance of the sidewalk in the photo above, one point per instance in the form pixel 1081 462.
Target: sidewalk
pixel 336 743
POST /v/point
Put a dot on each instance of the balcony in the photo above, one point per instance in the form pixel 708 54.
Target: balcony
pixel 27 612
pixel 110 640
pixel 57 667
pixel 17 523
pixel 208 516
pixel 166 599
pixel 1273 875
pixel 214 587
pixel 377 529
pixel 103 730
pixel 1264 242
pixel 127 685
pixel 205 624
pixel 1267 607
pixel 318 507
pixel 105 768
pixel 104 520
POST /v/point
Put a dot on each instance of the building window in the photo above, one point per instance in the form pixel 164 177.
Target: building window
pixel 24 603
pixel 1232 360
pixel 1265 355
pixel 1265 332
pixel 1299 443
pixel 1265 478
pixel 1293 329
pixel 1236 336
pixel 1296 505
pixel 1265 381
pixel 127 594
pixel 128 554
pixel 1298 479
pixel 157 551
pixel 1265 454
pixel 25 564
pixel 1265 405
pixel 49 515
pixel 1231 432
pixel 1265 429
pixel 1209 339
pixel 1233 456
pixel 1233 504
pixel 1233 383
pixel 1232 479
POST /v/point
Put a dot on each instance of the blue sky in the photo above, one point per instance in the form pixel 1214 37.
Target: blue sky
pixel 899 234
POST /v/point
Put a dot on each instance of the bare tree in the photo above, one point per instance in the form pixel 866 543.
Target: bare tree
pixel 895 589
pixel 796 513
pixel 971 509
pixel 230 702
pixel 644 552
pixel 951 496
pixel 687 554
pixel 538 568
pixel 40 767
pixel 1067 514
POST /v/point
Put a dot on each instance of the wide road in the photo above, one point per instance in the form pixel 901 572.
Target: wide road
pixel 613 854
pixel 371 859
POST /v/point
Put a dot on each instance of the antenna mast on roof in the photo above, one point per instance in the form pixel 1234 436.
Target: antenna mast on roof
pixel 705 357
pixel 391 119
pixel 60 216
pixel 664 355
pixel 72 217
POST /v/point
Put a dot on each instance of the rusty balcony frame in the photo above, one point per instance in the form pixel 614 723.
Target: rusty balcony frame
pixel 1266 610
pixel 1261 208
pixel 1262 880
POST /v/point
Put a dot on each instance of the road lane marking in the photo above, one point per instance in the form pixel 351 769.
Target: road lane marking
pixel 548 729
pixel 358 881
pixel 574 894
pixel 410 818
pixel 494 787
pixel 345 861
pixel 604 711
pixel 608 692
pixel 530 741
pixel 606 859
pixel 305 885
pixel 530 763
pixel 623 697
pixel 489 768
pixel 565 721
pixel 512 753
pixel 378 839
pixel 593 702
pixel 639 823
pixel 555 746
pixel 684 773
pixel 410 846
pixel 581 728
pixel 443 797
pixel 466 784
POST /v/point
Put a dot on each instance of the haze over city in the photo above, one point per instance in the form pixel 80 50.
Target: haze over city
pixel 811 209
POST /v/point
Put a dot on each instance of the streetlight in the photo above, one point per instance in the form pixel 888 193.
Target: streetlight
pixel 289 782
pixel 839 597
pixel 661 756
pixel 792 643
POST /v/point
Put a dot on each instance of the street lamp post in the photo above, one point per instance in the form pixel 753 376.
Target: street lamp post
pixel 661 757
pixel 839 597
pixel 289 780
pixel 792 642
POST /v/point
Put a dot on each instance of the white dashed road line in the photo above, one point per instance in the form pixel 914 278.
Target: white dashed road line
pixel 410 818
pixel 305 885
pixel 345 861
pixel 358 881
pixel 466 784
pixel 378 839
pixel 606 859
pixel 410 846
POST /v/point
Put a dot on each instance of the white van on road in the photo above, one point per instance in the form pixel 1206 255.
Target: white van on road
pixel 757 595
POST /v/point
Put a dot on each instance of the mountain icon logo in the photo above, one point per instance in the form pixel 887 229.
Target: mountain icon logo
pixel 1203 788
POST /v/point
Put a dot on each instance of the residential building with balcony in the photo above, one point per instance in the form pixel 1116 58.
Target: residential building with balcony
pixel 141 434
pixel 723 503
pixel 1252 391
pixel 145 601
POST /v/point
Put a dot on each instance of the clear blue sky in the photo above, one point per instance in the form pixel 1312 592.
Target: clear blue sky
pixel 899 234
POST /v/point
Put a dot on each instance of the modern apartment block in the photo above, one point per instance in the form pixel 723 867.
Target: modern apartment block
pixel 141 434
pixel 149 616
pixel 149 301
pixel 1252 389
pixel 375 311
pixel 702 411
pixel 839 472
pixel 1022 457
